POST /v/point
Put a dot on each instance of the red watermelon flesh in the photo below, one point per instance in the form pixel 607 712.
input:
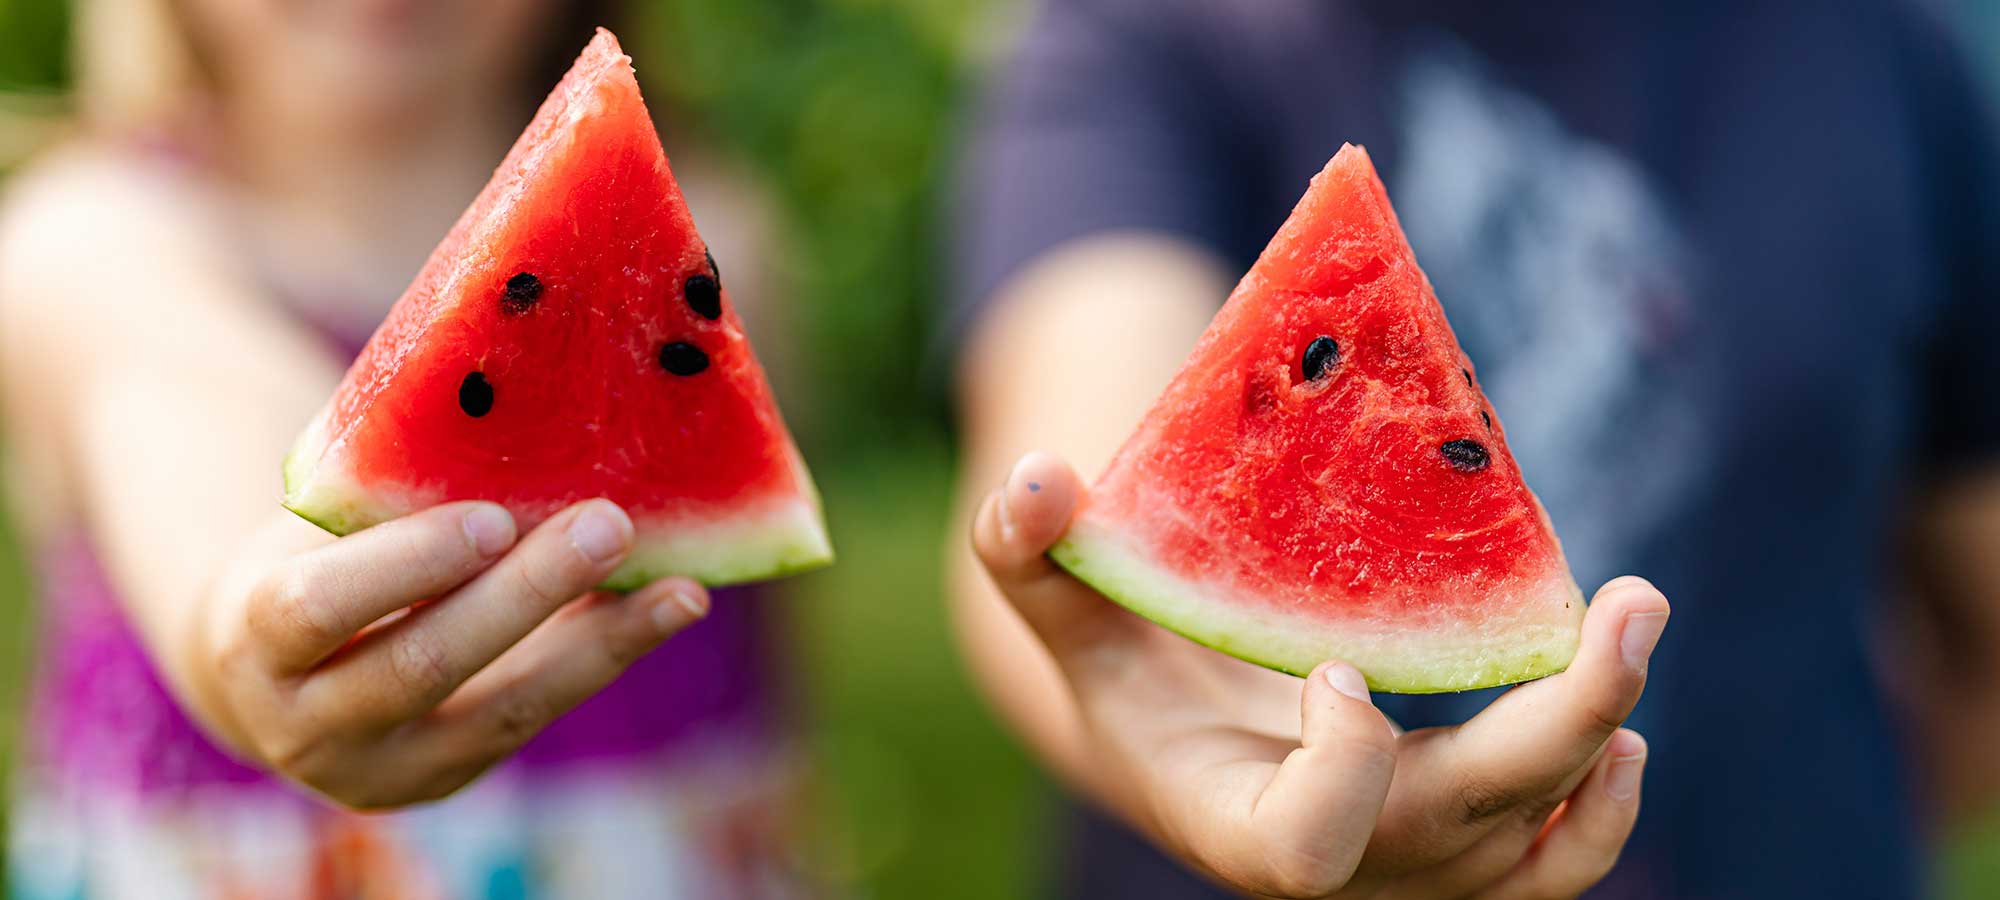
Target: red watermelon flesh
pixel 571 338
pixel 1324 478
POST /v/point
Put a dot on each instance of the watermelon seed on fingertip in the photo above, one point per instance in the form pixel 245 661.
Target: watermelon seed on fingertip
pixel 475 395
pixel 522 291
pixel 683 358
pixel 1034 486
pixel 1320 356
pixel 1465 454
pixel 704 296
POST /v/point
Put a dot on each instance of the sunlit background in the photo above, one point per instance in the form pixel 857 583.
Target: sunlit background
pixel 845 110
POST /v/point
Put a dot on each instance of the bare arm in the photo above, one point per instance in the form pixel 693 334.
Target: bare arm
pixel 159 391
pixel 1115 313
pixel 1951 663
pixel 145 364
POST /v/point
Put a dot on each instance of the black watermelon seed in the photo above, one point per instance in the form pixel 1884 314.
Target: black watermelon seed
pixel 1321 355
pixel 683 358
pixel 1483 417
pixel 475 395
pixel 713 269
pixel 1468 376
pixel 1465 454
pixel 704 296
pixel 522 291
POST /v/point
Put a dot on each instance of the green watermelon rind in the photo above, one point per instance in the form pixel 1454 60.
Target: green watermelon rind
pixel 785 538
pixel 1413 663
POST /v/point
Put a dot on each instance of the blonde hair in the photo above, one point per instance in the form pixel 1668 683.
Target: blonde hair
pixel 135 70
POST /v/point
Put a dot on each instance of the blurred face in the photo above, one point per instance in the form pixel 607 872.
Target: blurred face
pixel 358 62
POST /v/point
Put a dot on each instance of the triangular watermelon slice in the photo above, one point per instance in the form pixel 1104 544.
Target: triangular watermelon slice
pixel 1324 479
pixel 571 338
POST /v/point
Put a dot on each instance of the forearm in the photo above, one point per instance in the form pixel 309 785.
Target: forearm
pixel 1066 360
pixel 159 393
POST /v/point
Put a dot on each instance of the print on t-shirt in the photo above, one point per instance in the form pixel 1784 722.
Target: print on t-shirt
pixel 1565 277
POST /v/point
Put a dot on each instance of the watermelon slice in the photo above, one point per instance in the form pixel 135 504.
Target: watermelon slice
pixel 1325 480
pixel 571 338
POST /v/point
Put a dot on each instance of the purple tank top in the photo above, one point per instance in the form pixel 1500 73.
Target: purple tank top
pixel 101 717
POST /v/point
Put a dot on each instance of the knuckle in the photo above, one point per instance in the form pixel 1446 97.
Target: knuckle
pixel 299 754
pixel 550 582
pixel 1601 719
pixel 1481 799
pixel 292 608
pixel 518 719
pixel 436 552
pixel 235 657
pixel 419 664
pixel 1535 812
pixel 621 648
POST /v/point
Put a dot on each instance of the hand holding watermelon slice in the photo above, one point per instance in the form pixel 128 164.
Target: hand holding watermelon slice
pixel 564 399
pixel 1323 490
pixel 1305 790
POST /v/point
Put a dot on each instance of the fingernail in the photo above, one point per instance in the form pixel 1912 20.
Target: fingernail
pixel 1622 781
pixel 1642 631
pixel 1347 680
pixel 679 607
pixel 489 528
pixel 1006 509
pixel 600 532
pixel 1621 583
pixel 1006 516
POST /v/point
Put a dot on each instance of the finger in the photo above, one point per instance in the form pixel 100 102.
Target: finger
pixel 403 672
pixel 1012 533
pixel 565 661
pixel 1582 842
pixel 1531 745
pixel 1498 851
pixel 1344 763
pixel 324 597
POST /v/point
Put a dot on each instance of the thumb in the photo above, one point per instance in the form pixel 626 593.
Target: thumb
pixel 1012 534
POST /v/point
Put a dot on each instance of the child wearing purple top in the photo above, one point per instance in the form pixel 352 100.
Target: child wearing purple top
pixel 255 184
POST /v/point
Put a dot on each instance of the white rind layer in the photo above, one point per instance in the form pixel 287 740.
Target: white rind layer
pixel 781 535
pixel 1522 631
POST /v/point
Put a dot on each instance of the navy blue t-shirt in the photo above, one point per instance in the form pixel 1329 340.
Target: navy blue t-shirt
pixel 1729 270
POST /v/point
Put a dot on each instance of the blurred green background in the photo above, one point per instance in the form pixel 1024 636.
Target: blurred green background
pixel 846 108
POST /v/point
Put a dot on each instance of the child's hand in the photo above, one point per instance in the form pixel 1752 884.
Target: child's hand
pixel 303 672
pixel 1303 789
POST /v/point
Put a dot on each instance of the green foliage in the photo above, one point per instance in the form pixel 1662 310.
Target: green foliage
pixel 843 107
pixel 34 45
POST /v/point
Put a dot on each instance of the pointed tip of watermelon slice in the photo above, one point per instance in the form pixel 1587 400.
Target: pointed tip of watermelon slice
pixel 603 50
pixel 1532 634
